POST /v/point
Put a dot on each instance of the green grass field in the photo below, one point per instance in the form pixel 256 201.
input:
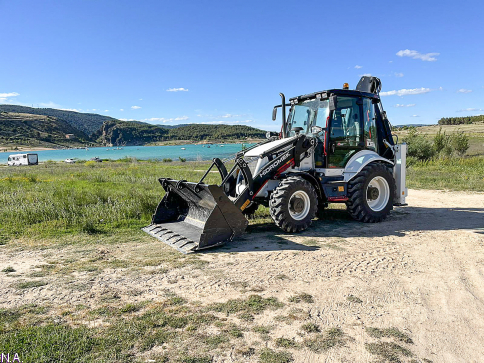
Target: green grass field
pixel 94 206
pixel 55 199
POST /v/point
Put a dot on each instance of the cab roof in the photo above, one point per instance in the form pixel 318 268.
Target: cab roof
pixel 368 87
pixel 338 92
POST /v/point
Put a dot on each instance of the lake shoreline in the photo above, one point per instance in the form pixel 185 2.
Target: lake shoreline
pixel 183 152
pixel 23 148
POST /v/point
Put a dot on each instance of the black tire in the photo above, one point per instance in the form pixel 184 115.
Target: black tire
pixel 287 192
pixel 250 210
pixel 359 197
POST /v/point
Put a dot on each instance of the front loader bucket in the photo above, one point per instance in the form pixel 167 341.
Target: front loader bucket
pixel 193 216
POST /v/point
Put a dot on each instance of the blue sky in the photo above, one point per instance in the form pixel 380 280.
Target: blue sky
pixel 169 62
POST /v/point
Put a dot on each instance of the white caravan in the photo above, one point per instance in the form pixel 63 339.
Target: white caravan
pixel 23 159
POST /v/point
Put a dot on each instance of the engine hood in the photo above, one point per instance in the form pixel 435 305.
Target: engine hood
pixel 259 150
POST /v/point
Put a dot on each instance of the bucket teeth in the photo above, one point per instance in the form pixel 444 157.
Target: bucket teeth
pixel 171 238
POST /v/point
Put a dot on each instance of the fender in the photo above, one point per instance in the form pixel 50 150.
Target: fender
pixel 359 161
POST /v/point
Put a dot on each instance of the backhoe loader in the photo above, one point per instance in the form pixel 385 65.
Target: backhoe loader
pixel 335 146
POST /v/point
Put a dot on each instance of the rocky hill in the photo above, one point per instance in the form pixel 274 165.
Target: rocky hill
pixel 87 123
pixel 46 127
pixel 37 131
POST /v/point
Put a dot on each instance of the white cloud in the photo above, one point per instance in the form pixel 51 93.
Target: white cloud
pixel 406 92
pixel 400 105
pixel 121 109
pixel 415 116
pixel 470 110
pixel 106 110
pixel 141 99
pixel 10 94
pixel 365 75
pixel 165 120
pixel 177 90
pixel 428 57
pixel 226 122
pixel 135 107
pixel 228 115
pixel 49 105
pixel 4 97
pixel 70 109
pixel 358 67
pixel 397 74
pixel 463 90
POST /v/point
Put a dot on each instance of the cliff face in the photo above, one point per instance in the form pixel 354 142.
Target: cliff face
pixel 119 133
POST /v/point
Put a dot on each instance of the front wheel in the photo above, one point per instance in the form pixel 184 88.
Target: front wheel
pixel 249 212
pixel 293 204
pixel 371 194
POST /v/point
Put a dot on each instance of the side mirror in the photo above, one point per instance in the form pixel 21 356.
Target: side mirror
pixel 270 134
pixel 316 129
pixel 274 114
pixel 332 103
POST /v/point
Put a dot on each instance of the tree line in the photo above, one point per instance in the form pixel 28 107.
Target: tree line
pixel 460 120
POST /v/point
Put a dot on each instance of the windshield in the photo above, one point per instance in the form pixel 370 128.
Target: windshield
pixel 306 115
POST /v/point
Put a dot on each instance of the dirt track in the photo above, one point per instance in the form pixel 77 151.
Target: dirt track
pixel 421 271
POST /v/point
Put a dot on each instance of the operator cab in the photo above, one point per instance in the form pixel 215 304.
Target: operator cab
pixel 343 122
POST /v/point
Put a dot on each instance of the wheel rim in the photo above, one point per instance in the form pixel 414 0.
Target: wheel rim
pixel 299 205
pixel 377 193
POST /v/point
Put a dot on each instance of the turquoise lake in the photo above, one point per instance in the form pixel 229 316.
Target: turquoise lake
pixel 191 152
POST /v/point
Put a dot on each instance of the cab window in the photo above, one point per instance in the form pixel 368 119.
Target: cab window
pixel 306 115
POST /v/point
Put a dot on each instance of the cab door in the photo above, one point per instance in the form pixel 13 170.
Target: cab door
pixel 346 132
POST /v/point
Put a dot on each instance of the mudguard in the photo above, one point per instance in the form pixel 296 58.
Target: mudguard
pixel 359 161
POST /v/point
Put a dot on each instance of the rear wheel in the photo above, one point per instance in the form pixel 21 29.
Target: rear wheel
pixel 293 204
pixel 371 194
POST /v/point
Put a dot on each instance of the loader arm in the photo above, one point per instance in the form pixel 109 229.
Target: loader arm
pixel 193 216
pixel 284 156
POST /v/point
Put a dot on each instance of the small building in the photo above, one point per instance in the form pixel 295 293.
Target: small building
pixel 70 136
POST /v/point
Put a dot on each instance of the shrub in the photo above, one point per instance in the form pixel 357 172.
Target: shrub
pixel 441 141
pixel 419 146
pixel 167 160
pixel 460 142
pixel 182 159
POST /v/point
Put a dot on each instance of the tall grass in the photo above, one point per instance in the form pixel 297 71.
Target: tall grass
pixel 447 173
pixel 53 199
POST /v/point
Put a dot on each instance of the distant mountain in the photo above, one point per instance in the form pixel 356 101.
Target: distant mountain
pixel 87 123
pixel 37 130
pixel 131 133
pixel 47 127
